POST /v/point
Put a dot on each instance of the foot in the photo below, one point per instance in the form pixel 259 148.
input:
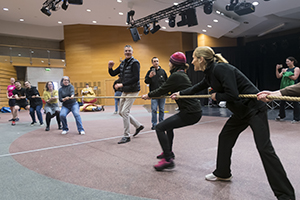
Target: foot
pixel 116 112
pixel 59 127
pixel 161 156
pixel 163 164
pixel 10 120
pixel 279 119
pixel 42 124
pixel 64 132
pixel 295 122
pixel 81 133
pixel 153 127
pixel 138 130
pixel 124 140
pixel 17 119
pixel 212 177
pixel 47 129
pixel 32 123
pixel 13 123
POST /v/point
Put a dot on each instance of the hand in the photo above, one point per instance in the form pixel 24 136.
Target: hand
pixel 213 96
pixel 152 73
pixel 145 97
pixel 17 98
pixel 175 96
pixel 33 97
pixel 284 70
pixel 118 85
pixel 278 66
pixel 111 64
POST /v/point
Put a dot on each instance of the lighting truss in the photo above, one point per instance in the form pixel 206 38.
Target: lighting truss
pixel 166 13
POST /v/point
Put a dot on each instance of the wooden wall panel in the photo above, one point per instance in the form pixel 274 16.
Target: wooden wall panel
pixel 204 40
pixel 7 71
pixel 90 47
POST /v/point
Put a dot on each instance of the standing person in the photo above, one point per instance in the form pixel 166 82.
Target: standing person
pixel 36 103
pixel 88 92
pixel 155 77
pixel 129 71
pixel 51 108
pixel 11 99
pixel 21 101
pixel 189 112
pixel 228 82
pixel 289 76
pixel 118 92
pixel 69 104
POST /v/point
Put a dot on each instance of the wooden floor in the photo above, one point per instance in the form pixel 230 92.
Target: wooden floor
pixel 36 164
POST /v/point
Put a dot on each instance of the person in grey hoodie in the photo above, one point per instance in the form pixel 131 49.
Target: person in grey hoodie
pixel 69 104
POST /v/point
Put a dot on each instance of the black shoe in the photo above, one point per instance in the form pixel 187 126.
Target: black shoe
pixel 32 123
pixel 153 128
pixel 47 129
pixel 103 108
pixel 138 130
pixel 59 127
pixel 10 120
pixel 161 156
pixel 124 140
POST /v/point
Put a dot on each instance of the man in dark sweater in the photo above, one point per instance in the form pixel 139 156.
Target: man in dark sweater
pixel 129 71
pixel 155 77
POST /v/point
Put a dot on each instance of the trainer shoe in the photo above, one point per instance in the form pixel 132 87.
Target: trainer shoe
pixel 81 133
pixel 10 119
pixel 163 164
pixel 13 123
pixel 161 156
pixel 42 124
pixel 32 123
pixel 138 130
pixel 212 177
pixel 47 129
pixel 64 132
pixel 279 119
pixel 17 119
pixel 59 127
pixel 124 140
pixel 295 122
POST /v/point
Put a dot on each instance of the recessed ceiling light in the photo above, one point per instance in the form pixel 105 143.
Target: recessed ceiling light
pixel 218 12
pixel 175 4
pixel 255 3
pixel 120 13
pixel 59 22
pixel 5 9
pixel 21 20
pixel 163 27
pixel 209 26
pixel 204 30
pixel 215 20
pixel 42 61
pixel 94 22
pixel 62 60
pixel 167 21
pixel 119 1
pixel 88 10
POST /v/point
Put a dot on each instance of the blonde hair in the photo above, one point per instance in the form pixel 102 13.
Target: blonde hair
pixel 209 55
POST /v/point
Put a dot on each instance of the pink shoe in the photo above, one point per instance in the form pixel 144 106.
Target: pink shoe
pixel 163 164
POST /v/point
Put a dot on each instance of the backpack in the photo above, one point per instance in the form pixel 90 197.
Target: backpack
pixel 5 110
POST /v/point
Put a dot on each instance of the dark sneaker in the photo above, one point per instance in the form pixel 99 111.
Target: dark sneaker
pixel 47 129
pixel 153 128
pixel 163 164
pixel 10 120
pixel 124 140
pixel 138 130
pixel 59 127
pixel 161 156
pixel 279 119
pixel 32 123
pixel 13 123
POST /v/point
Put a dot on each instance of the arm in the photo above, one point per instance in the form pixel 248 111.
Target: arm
pixel 111 71
pixel 262 96
pixel 296 74
pixel 148 80
pixel 195 88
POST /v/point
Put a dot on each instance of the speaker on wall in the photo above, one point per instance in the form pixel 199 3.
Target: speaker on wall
pixel 135 34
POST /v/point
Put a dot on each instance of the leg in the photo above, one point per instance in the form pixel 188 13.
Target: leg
pixel 75 111
pixel 48 119
pixel 39 114
pixel 58 119
pixel 282 109
pixel 227 139
pixel 154 103
pixel 276 174
pixel 63 117
pixel 161 106
pixel 296 110
pixel 15 111
pixel 32 114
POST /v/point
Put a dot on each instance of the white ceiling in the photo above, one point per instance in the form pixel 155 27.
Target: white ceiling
pixel 267 15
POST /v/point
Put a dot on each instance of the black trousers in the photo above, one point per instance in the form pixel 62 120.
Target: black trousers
pixel 165 133
pixel 49 116
pixel 276 174
pixel 296 110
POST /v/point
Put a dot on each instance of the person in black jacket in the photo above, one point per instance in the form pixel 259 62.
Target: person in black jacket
pixel 190 109
pixel 228 82
pixel 36 104
pixel 155 77
pixel 129 71
pixel 118 92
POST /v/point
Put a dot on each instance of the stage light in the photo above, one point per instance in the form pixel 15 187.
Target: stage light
pixel 146 29
pixel 208 7
pixel 230 7
pixel 46 11
pixel 130 16
pixel 244 8
pixel 191 17
pixel 183 21
pixel 64 5
pixel 155 28
pixel 135 34
pixel 172 21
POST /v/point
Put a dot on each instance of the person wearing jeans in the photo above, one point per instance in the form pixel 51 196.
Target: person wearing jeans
pixel 36 104
pixel 118 92
pixel 69 104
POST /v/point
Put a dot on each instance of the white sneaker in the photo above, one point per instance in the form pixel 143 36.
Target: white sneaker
pixel 64 132
pixel 212 177
pixel 82 133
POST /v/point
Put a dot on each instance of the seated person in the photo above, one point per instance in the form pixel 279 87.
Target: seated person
pixel 87 107
pixel 88 92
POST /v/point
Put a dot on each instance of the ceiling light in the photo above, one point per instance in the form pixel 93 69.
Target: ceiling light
pixel 88 10
pixel 208 7
pixel 218 12
pixel 59 22
pixel 175 4
pixel 119 1
pixel 204 30
pixel 154 28
pixel 171 21
pixel 94 22
pixel 209 26
pixel 215 20
pixel 120 13
pixel 167 21
pixel 146 29
pixel 5 9
pixel 255 3
pixel 21 20
pixel 163 27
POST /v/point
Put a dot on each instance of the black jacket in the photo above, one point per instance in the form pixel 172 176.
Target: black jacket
pixel 157 80
pixel 177 81
pixel 33 101
pixel 228 82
